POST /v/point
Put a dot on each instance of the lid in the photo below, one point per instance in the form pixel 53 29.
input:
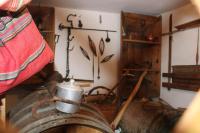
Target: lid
pixel 70 85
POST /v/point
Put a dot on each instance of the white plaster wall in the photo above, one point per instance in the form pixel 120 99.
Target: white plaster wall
pixel 183 52
pixel 80 67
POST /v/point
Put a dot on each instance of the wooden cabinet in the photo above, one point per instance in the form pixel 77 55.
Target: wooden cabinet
pixel 140 50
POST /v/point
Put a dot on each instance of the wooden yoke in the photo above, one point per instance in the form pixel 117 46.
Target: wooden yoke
pixel 130 98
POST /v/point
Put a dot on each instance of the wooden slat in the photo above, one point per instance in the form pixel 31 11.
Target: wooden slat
pixel 185 81
pixel 189 87
pixel 141 70
pixel 189 76
pixel 139 42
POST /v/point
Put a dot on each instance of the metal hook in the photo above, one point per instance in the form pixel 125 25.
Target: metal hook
pixel 71 49
pixel 70 39
pixel 70 21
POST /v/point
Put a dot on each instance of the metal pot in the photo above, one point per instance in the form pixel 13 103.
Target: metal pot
pixel 69 91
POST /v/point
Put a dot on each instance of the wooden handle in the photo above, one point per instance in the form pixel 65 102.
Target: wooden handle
pixel 130 98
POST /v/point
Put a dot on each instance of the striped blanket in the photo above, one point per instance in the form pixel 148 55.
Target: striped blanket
pixel 23 51
pixel 12 5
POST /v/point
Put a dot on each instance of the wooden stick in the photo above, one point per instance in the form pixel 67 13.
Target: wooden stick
pixel 130 98
pixel 170 48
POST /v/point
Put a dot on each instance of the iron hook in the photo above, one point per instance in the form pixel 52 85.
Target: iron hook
pixel 71 49
pixel 70 39
pixel 70 21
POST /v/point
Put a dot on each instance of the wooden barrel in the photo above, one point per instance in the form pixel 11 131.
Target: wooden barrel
pixel 149 117
pixel 48 117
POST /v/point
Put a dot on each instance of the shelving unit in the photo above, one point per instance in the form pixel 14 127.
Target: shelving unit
pixel 140 50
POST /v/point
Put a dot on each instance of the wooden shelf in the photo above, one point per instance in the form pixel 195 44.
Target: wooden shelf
pixel 139 41
pixel 141 69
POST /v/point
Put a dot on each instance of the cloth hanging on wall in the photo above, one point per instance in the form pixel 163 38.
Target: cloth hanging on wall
pixel 23 51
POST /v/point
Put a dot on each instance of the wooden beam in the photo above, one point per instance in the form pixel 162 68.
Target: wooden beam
pixel 181 86
pixel 191 24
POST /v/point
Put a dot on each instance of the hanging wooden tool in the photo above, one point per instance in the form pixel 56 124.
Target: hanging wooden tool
pixel 94 51
pixel 85 53
pixel 130 98
pixel 170 48
pixel 197 53
pixel 107 58
pixel 101 51
pixel 98 76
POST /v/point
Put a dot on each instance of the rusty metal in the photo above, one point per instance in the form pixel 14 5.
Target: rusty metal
pixel 48 117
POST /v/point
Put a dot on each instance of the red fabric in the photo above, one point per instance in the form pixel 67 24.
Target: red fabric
pixel 18 49
pixel 12 5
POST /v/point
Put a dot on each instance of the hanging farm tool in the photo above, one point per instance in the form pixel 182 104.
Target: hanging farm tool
pixel 94 52
pixel 101 51
pixel 85 53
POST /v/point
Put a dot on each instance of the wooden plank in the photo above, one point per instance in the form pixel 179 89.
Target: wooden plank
pixel 191 24
pixel 186 68
pixel 189 76
pixel 189 87
pixel 185 81
pixel 139 41
pixel 141 69
pixel 170 48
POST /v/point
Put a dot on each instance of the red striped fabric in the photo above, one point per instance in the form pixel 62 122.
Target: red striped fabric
pixel 12 5
pixel 23 51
